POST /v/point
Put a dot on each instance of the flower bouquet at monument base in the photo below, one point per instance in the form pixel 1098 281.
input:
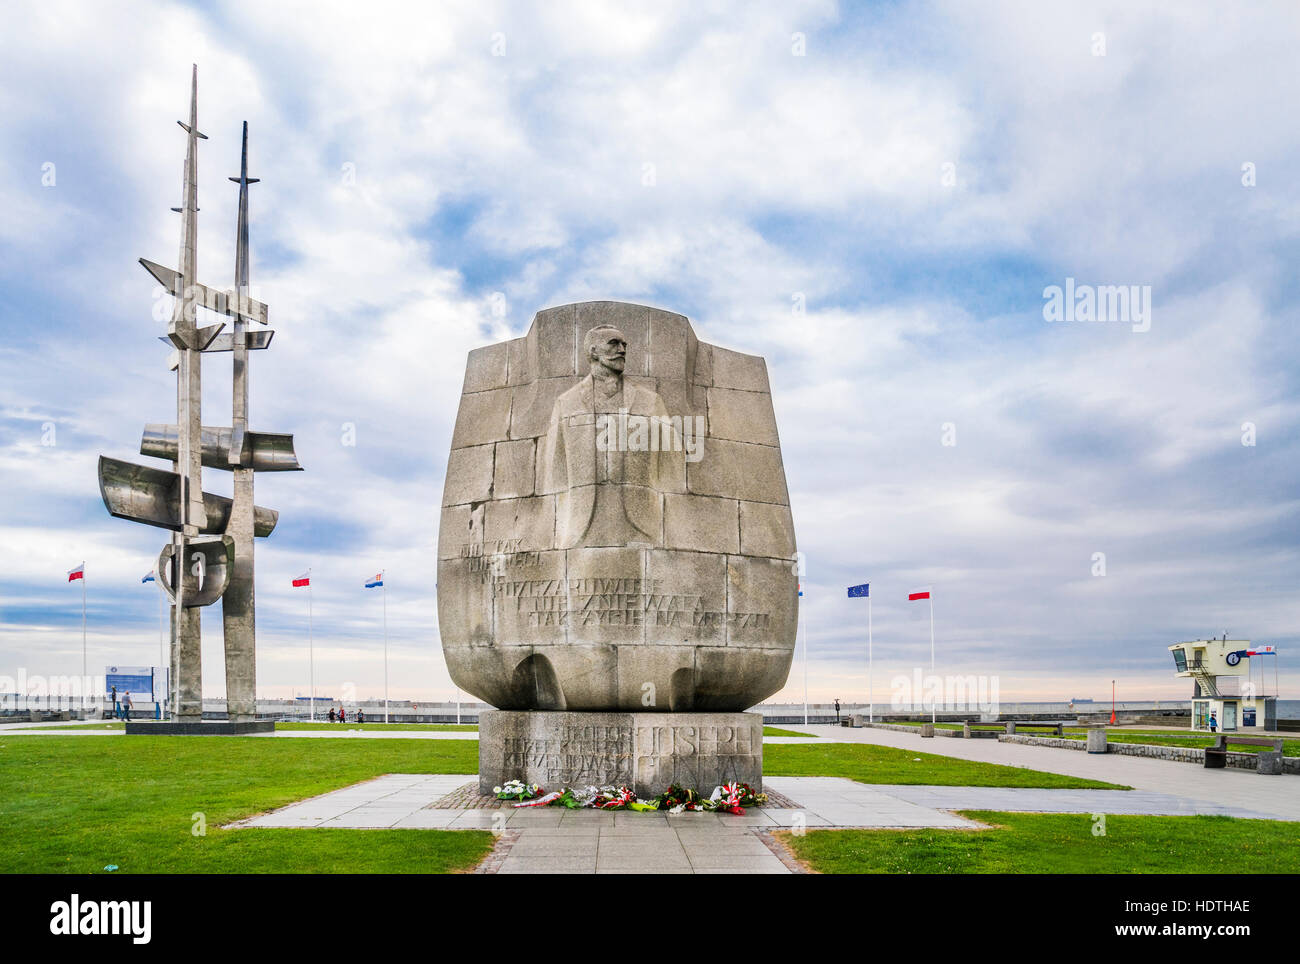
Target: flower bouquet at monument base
pixel 728 798
pixel 516 790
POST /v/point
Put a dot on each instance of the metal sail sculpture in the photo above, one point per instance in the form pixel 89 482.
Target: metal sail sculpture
pixel 210 555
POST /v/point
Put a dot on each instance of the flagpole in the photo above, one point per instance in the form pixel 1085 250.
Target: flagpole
pixel 83 633
pixel 871 677
pixel 384 585
pixel 933 713
pixel 311 652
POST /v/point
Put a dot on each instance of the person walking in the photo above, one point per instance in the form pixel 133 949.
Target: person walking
pixel 333 716
pixel 1214 722
pixel 116 710
pixel 126 705
pixel 361 716
pixel 343 715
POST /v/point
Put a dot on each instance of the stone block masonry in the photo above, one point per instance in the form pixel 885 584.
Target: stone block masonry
pixel 1182 754
pixel 645 751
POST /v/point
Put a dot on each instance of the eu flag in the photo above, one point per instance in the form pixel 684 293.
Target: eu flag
pixel 857 592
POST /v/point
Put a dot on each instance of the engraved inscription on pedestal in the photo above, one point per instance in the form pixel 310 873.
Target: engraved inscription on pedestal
pixel 645 751
pixel 573 755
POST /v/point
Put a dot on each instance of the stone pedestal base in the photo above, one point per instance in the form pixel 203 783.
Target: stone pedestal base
pixel 644 751
pixel 217 728
pixel 1096 739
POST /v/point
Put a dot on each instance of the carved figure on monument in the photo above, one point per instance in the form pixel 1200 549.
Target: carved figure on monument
pixel 603 454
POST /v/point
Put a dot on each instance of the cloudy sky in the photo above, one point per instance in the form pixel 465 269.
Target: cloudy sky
pixel 873 198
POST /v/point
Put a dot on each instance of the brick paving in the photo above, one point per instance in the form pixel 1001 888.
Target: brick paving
pixel 500 851
pixel 467 797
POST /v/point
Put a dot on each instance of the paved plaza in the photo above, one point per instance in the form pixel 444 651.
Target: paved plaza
pixel 557 840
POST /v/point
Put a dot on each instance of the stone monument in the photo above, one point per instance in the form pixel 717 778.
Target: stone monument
pixel 616 553
pixel 210 555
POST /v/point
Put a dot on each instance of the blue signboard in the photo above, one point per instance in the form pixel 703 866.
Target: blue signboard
pixel 139 681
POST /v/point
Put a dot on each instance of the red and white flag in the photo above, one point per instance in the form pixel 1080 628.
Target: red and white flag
pixel 78 573
pixel 303 580
pixel 922 593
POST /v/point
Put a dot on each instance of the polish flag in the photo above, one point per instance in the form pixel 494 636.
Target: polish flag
pixel 78 573
pixel 922 593
pixel 303 580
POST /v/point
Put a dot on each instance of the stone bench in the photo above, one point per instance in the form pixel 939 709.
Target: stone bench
pixel 1270 761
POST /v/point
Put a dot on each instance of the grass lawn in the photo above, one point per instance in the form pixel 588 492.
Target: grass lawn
pixel 74 806
pixel 777 731
pixel 390 727
pixel 868 763
pixel 1037 843
pixel 340 727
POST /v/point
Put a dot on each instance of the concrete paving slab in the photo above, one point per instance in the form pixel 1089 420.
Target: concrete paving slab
pixel 427 820
pixel 553 840
pixel 547 865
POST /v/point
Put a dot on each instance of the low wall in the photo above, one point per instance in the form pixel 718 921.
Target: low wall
pixel 1181 754
pixel 901 728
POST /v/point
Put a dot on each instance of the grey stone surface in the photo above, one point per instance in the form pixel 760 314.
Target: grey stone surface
pixel 645 751
pixel 196 728
pixel 1097 739
pixel 1270 762
pixel 616 530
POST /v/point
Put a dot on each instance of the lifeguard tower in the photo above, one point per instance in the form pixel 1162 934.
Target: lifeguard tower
pixel 1222 685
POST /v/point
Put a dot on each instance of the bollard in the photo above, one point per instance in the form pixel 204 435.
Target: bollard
pixel 965 730
pixel 1096 739
pixel 927 729
pixel 1011 729
pixel 1270 762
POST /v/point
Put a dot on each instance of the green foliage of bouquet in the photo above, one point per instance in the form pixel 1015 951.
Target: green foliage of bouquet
pixel 517 790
